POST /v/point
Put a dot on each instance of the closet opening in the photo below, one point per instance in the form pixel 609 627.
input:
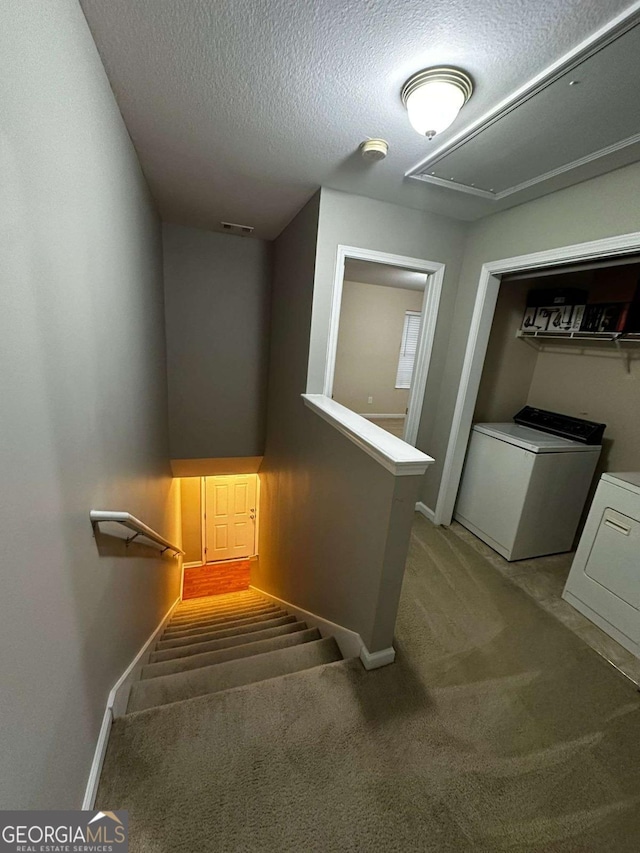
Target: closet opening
pixel 547 478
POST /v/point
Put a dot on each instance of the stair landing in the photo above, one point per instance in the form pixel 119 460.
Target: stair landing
pixel 216 579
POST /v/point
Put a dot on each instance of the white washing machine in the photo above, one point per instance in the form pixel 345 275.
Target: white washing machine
pixel 604 582
pixel 523 489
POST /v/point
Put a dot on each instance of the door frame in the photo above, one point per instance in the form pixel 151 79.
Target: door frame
pixel 203 524
pixel 478 340
pixel 430 306
pixel 203 521
pixel 202 562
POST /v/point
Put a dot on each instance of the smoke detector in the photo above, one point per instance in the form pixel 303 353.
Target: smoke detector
pixel 373 150
pixel 235 228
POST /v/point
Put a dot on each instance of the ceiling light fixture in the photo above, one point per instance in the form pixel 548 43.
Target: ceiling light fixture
pixel 434 98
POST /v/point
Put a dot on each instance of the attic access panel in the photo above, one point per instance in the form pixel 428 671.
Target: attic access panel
pixel 557 130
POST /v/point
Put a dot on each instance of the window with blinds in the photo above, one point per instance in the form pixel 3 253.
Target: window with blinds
pixel 412 320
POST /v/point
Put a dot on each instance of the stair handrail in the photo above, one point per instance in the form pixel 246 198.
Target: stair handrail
pixel 134 524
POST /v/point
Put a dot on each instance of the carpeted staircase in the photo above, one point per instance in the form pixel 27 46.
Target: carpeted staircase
pixel 224 641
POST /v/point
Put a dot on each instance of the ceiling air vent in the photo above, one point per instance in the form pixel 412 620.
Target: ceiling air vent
pixel 234 228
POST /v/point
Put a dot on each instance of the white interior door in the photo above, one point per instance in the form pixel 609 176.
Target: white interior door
pixel 230 517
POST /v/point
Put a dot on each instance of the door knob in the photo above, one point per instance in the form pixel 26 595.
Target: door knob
pixel 252 517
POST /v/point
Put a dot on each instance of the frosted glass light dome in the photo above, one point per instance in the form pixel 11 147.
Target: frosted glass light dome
pixel 434 98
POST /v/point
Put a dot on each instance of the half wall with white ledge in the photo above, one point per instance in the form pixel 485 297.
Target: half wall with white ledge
pixel 394 454
pixel 401 460
pixel 343 538
pixel 338 493
pixel 402 467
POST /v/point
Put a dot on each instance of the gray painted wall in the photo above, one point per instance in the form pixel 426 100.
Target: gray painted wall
pixel 366 224
pixel 352 220
pixel 510 362
pixel 566 382
pixel 83 390
pixel 334 525
pixel 602 207
pixel 217 292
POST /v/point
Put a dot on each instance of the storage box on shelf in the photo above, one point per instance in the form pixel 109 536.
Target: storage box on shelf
pixel 609 312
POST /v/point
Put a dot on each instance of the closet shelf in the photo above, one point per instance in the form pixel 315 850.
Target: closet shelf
pixel 541 340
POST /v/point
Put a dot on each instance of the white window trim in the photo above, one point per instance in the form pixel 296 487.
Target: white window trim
pixel 405 333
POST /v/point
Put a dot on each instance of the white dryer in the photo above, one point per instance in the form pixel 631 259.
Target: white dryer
pixel 523 489
pixel 604 582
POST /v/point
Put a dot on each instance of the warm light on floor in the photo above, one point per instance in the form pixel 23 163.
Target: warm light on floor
pixel 216 578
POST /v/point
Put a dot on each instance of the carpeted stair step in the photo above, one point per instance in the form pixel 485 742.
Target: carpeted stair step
pixel 218 600
pixel 154 670
pixel 223 598
pixel 223 676
pixel 227 631
pixel 212 623
pixel 212 617
pixel 193 634
pixel 203 612
pixel 286 625
pixel 206 621
pixel 210 604
pixel 212 609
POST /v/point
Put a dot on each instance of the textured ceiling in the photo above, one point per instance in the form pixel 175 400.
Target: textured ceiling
pixel 585 121
pixel 241 109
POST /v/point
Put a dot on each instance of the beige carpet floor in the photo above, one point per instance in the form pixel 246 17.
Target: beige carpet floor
pixel 544 579
pixel 496 730
pixel 393 425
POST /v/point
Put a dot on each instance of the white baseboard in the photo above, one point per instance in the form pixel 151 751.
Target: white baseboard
pixel 350 643
pixel 423 509
pixel 98 760
pixel 374 660
pixel 116 705
pixel 383 415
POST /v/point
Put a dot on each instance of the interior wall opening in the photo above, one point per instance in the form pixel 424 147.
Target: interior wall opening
pixel 380 321
pixel 382 328
pixel 581 373
pixel 565 341
pixel 615 250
